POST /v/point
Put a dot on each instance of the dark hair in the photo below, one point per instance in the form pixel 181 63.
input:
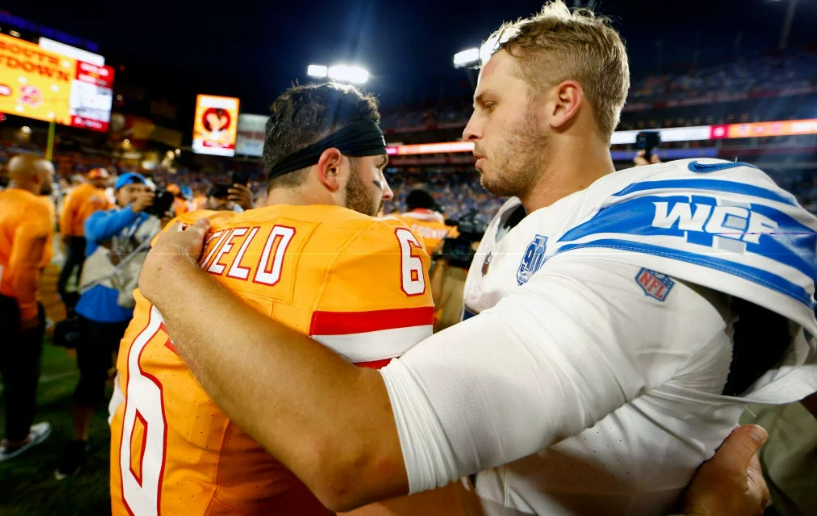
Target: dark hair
pixel 218 190
pixel 302 115
pixel 420 199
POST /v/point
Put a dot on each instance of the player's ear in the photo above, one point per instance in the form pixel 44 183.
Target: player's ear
pixel 568 98
pixel 329 169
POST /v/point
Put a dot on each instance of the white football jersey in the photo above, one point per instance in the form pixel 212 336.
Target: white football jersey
pixel 606 335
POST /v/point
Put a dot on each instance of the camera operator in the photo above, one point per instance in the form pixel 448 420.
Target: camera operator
pixel 118 240
pixel 240 193
pixel 219 198
pixel 451 268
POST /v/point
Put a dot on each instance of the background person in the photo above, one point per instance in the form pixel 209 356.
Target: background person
pixel 425 221
pixel 26 226
pixel 179 202
pixel 78 205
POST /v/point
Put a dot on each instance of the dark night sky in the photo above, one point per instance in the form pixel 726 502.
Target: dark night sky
pixel 253 50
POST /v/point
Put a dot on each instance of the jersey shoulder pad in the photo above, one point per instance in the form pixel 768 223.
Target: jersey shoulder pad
pixel 376 301
pixel 216 217
pixel 394 221
pixel 382 265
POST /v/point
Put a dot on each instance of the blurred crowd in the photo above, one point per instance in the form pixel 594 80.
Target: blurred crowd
pixel 792 69
pixel 456 193
pixel 769 75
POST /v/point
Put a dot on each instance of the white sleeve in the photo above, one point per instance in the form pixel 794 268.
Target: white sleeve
pixel 576 342
pixel 117 399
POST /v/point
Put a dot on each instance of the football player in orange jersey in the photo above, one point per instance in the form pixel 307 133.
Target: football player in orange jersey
pixel 79 204
pixel 425 221
pixel 314 259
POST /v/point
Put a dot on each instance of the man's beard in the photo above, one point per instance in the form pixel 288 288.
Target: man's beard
pixel 47 188
pixel 520 161
pixel 357 196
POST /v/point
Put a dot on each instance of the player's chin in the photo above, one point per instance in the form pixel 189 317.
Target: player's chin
pixel 486 180
pixel 497 185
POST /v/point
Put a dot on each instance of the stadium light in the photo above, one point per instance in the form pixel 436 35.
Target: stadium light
pixel 318 71
pixel 351 74
pixel 466 57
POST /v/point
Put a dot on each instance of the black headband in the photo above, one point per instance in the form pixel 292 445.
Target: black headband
pixel 360 138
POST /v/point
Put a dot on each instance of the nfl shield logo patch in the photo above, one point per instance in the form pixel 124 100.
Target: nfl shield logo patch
pixel 533 259
pixel 654 284
pixel 486 264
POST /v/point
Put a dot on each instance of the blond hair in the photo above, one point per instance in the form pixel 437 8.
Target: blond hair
pixel 556 45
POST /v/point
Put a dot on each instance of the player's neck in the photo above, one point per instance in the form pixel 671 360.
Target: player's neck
pixel 27 186
pixel 298 196
pixel 570 170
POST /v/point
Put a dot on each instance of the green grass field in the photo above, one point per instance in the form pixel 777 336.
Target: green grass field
pixel 27 483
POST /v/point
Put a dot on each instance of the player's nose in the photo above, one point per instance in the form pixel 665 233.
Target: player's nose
pixel 387 194
pixel 472 131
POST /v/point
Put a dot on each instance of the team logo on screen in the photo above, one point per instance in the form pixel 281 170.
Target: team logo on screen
pixel 216 120
pixel 30 96
pixel 533 259
pixel 654 284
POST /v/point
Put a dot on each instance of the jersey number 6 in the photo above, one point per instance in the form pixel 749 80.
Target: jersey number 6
pixel 413 281
pixel 143 407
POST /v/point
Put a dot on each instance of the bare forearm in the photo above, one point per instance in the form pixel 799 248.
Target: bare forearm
pixel 328 421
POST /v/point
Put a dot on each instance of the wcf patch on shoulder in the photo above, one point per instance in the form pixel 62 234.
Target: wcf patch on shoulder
pixel 654 284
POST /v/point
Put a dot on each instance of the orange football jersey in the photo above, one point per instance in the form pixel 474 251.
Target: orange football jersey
pixel 79 204
pixel 355 283
pixel 428 225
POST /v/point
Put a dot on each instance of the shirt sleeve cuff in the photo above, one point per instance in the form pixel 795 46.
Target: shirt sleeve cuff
pixel 428 457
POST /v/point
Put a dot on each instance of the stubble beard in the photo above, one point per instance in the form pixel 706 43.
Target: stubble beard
pixel 523 159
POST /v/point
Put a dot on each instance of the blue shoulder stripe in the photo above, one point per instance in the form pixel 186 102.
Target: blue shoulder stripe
pixel 713 185
pixel 759 276
pixel 790 243
pixel 705 168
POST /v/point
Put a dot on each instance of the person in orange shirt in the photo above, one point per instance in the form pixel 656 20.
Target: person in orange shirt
pixel 425 221
pixel 179 203
pixel 199 202
pixel 79 204
pixel 315 258
pixel 428 223
pixel 26 225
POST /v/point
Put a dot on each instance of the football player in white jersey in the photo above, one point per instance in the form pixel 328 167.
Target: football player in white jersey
pixel 620 322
